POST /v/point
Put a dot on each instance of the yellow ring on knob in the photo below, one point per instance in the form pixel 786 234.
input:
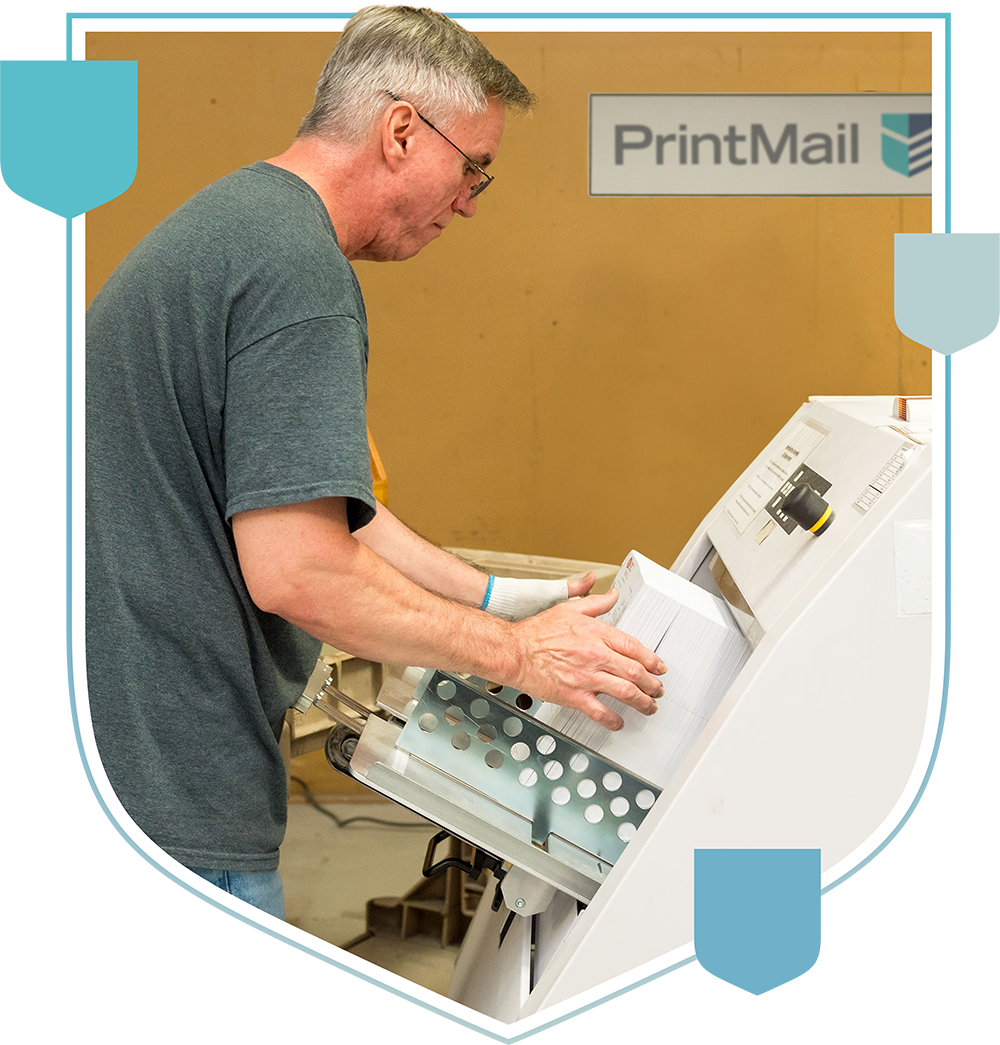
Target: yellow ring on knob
pixel 821 520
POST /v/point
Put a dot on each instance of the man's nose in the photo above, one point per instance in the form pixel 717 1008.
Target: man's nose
pixel 463 205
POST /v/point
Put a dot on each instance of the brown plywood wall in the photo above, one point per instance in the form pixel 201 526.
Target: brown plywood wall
pixel 562 375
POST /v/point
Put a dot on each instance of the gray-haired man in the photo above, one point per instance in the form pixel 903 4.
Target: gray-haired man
pixel 231 524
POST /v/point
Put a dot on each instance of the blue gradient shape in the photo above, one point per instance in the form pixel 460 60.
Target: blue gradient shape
pixel 36 288
pixel 757 914
pixel 68 132
pixel 946 287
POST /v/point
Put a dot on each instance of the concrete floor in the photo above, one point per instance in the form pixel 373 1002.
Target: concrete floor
pixel 331 872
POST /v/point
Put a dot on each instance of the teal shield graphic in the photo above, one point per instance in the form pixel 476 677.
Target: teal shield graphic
pixel 906 142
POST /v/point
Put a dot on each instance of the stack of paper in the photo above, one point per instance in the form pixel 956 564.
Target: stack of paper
pixel 915 409
pixel 696 637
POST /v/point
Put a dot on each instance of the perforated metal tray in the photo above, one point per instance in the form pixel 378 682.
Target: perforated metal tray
pixel 563 788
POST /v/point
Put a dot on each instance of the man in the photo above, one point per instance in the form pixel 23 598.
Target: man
pixel 231 523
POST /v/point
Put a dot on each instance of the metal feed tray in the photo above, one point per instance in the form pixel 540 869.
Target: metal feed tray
pixel 561 787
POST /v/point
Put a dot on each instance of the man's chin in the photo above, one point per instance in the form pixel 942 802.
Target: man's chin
pixel 402 250
pixel 411 248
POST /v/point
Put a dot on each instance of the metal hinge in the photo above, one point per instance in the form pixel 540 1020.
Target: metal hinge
pixel 320 690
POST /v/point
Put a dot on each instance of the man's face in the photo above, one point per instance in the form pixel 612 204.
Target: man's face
pixel 436 182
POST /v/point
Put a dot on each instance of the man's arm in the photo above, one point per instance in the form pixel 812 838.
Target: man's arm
pixel 439 571
pixel 420 561
pixel 301 562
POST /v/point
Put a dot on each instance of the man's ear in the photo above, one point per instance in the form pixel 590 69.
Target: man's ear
pixel 398 124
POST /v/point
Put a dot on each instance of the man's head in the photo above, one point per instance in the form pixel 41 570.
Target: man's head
pixel 409 112
pixel 420 56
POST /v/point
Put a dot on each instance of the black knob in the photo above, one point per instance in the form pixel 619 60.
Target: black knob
pixel 805 507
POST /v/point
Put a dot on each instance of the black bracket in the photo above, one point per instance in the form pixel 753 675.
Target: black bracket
pixel 481 861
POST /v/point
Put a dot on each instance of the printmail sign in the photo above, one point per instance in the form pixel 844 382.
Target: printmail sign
pixel 760 145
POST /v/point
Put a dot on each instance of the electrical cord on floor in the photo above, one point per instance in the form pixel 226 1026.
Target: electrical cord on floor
pixel 311 799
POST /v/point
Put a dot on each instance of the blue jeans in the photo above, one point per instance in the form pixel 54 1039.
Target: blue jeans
pixel 263 889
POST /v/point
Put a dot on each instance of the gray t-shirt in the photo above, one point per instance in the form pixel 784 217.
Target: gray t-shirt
pixel 226 371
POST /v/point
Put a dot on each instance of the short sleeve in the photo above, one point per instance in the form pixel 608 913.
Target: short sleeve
pixel 294 419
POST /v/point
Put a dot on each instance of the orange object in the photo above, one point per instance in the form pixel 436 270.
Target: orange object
pixel 380 484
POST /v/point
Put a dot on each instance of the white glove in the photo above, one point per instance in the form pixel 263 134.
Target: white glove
pixel 520 597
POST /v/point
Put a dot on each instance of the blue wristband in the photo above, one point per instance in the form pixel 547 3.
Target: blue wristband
pixel 489 592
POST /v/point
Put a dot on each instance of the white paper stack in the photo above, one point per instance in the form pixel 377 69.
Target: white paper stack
pixel 696 637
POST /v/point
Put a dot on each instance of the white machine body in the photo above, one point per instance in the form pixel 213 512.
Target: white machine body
pixel 815 741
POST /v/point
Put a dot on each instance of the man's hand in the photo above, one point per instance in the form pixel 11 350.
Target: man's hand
pixel 568 657
pixel 577 587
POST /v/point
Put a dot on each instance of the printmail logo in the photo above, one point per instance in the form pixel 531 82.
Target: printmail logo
pixel 906 142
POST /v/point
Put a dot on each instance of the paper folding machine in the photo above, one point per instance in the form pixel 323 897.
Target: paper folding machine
pixel 811 747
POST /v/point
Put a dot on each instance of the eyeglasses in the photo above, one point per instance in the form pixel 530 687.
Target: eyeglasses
pixel 487 178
